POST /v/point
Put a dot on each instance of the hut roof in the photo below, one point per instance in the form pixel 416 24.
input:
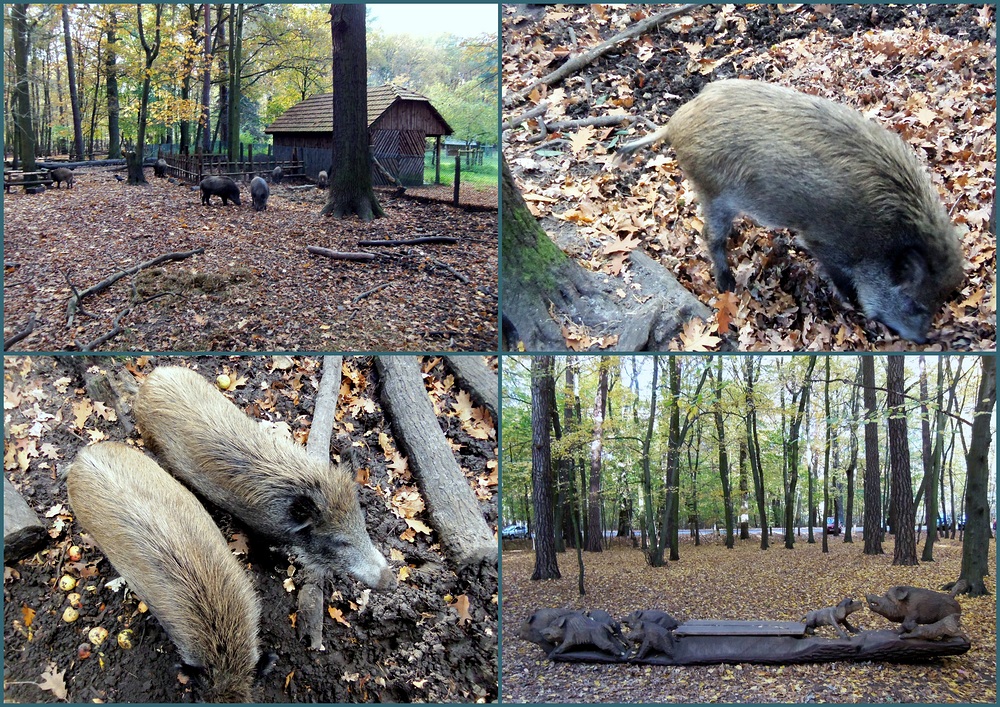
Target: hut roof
pixel 315 114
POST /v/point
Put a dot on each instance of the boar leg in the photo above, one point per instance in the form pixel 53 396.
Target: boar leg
pixel 719 217
pixel 850 628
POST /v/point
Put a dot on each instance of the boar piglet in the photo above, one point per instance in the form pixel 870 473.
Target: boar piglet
pixel 854 192
pixel 166 546
pixel 265 480
pixel 321 180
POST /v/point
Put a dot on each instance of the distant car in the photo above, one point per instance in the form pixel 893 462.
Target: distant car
pixel 944 523
pixel 514 532
pixel 832 526
pixel 961 523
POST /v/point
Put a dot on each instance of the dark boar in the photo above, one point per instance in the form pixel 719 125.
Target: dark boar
pixel 661 618
pixel 166 546
pixel 321 181
pixel 62 174
pixel 648 637
pixel 220 186
pixel 833 616
pixel 912 606
pixel 265 480
pixel 259 193
pixel 855 193
pixel 160 168
pixel 532 627
pixel 574 630
pixel 276 174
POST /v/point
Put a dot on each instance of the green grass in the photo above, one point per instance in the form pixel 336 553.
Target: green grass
pixel 485 175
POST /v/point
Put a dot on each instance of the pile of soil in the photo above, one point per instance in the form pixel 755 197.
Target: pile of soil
pixel 410 644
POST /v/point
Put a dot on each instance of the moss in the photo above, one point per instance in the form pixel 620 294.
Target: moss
pixel 530 258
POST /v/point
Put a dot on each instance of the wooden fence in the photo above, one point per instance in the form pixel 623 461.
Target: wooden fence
pixel 194 168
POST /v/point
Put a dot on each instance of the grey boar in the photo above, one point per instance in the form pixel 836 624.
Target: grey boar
pixel 267 481
pixel 321 181
pixel 160 168
pixel 913 605
pixel 833 616
pixel 855 193
pixel 166 546
pixel 532 627
pixel 62 174
pixel 276 174
pixel 219 186
pixel 259 193
pixel 574 630
pixel 661 618
pixel 649 637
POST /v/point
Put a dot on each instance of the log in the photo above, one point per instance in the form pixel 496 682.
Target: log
pixel 410 241
pixel 451 503
pixel 472 374
pixel 20 335
pixel 23 533
pixel 337 255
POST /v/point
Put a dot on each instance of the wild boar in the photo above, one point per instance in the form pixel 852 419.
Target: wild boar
pixel 259 193
pixel 321 181
pixel 661 618
pixel 62 174
pixel 574 630
pixel 163 542
pixel 219 186
pixel 648 637
pixel 855 193
pixel 160 168
pixel 833 616
pixel 276 175
pixel 532 627
pixel 266 481
pixel 912 606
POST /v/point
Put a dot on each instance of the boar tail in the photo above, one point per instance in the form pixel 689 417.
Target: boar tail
pixel 630 147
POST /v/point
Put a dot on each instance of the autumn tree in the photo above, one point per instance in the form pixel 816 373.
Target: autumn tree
pixel 873 495
pixel 151 51
pixel 74 96
pixel 792 449
pixel 111 84
pixel 22 97
pixel 350 176
pixel 753 447
pixel 905 552
pixel 542 385
pixel 595 534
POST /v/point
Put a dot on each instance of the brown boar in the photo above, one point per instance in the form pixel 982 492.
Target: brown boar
pixel 912 606
pixel 855 193
pixel 266 481
pixel 166 546
pixel 62 174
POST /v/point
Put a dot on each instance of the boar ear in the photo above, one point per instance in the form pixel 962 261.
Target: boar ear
pixel 910 267
pixel 303 512
pixel 898 593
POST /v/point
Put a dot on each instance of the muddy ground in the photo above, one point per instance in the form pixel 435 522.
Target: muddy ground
pixel 407 645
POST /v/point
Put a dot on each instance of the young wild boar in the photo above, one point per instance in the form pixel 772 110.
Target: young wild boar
pixel 833 616
pixel 265 480
pixel 259 193
pixel 220 186
pixel 855 193
pixel 62 174
pixel 321 181
pixel 160 168
pixel 166 546
pixel 276 174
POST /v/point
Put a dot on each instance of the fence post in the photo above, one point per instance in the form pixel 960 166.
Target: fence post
pixel 458 176
pixel 437 159
pixel 250 157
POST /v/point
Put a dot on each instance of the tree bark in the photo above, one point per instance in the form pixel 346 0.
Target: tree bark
pixel 654 557
pixel 727 499
pixel 976 544
pixel 236 12
pixel 753 451
pixel 792 454
pixel 473 374
pixel 546 566
pixel 206 85
pixel 74 96
pixel 827 443
pixel 350 177
pixel 452 504
pixel 872 530
pixel 22 95
pixel 595 532
pixel 852 463
pixel 905 552
pixel 151 51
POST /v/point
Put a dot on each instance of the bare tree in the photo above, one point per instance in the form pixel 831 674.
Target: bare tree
pixel 595 533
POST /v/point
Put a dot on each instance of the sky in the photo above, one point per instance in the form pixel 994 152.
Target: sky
pixel 429 20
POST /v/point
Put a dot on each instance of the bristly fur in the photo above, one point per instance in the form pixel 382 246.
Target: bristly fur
pixel 166 546
pixel 265 480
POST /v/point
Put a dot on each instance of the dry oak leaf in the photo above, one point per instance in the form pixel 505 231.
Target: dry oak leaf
pixel 697 336
pixel 53 682
pixel 461 606
pixel 728 306
pixel 337 615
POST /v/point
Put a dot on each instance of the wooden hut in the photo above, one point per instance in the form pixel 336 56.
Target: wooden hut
pixel 399 121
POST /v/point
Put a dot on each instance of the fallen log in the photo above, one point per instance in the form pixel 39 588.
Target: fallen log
pixel 23 533
pixel 410 241
pixel 451 503
pixel 20 335
pixel 337 255
pixel 473 374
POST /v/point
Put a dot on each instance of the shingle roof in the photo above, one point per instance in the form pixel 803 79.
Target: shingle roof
pixel 315 114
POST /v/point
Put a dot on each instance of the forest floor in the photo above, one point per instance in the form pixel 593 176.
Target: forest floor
pixel 255 288
pixel 711 582
pixel 926 72
pixel 431 639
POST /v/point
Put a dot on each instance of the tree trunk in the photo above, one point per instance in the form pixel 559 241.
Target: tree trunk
pixel 206 85
pixel 674 439
pixel 351 176
pixel 74 96
pixel 852 462
pixel 236 12
pixel 22 95
pixel 826 457
pixel 905 552
pixel 753 451
pixel 111 79
pixel 134 159
pixel 546 566
pixel 595 533
pixel 792 454
pixel 727 498
pixel 654 558
pixel 744 494
pixel 872 530
pixel 976 544
pixel 932 455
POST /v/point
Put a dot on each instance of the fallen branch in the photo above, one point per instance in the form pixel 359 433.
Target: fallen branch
pixel 116 327
pixel 372 291
pixel 526 115
pixel 410 241
pixel 575 63
pixel 105 284
pixel 337 255
pixel 599 121
pixel 461 278
pixel 22 334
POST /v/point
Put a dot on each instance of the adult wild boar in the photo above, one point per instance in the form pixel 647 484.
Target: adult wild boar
pixel 259 193
pixel 220 186
pixel 265 480
pixel 912 606
pixel 169 550
pixel 276 175
pixel 62 174
pixel 160 168
pixel 855 193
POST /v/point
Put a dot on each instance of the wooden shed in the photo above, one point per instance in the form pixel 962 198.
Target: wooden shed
pixel 399 121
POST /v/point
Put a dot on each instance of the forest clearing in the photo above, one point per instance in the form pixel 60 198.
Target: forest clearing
pixel 254 287
pixel 430 637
